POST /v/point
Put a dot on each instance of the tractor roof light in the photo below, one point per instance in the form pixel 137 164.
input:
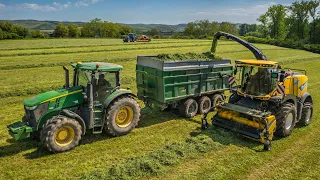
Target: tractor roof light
pixel 97 65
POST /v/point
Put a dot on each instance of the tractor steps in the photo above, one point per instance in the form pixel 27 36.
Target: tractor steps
pixel 98 118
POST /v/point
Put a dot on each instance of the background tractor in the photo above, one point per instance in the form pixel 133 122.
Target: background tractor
pixel 132 38
pixel 94 102
pixel 268 100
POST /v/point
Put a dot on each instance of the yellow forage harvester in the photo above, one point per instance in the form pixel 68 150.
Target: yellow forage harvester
pixel 265 100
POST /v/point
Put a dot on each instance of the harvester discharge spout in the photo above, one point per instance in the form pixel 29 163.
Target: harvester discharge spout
pixel 256 52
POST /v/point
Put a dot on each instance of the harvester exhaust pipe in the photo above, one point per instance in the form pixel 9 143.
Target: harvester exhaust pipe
pixel 67 77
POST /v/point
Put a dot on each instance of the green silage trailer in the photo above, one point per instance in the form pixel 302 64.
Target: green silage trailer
pixel 192 86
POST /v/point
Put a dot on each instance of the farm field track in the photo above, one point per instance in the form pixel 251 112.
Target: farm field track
pixel 28 67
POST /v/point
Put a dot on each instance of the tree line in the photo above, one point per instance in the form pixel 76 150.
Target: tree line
pixel 94 28
pixel 298 22
pixel 206 29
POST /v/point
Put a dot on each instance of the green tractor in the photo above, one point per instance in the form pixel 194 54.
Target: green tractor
pixel 94 102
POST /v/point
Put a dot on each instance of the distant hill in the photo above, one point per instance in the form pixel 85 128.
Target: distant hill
pixel 140 28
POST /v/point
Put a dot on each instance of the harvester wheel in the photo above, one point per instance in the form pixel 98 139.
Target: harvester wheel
pixel 189 108
pixel 204 104
pixel 286 119
pixel 306 116
pixel 123 115
pixel 267 146
pixel 61 134
pixel 217 98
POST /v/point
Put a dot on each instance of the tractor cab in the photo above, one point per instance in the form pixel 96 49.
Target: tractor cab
pixel 256 77
pixel 103 77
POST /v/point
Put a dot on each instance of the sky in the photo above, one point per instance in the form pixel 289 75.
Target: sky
pixel 139 11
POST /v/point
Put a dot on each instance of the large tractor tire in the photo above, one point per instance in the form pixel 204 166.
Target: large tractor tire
pixel 61 134
pixel 306 116
pixel 217 98
pixel 123 115
pixel 204 104
pixel 189 108
pixel 286 119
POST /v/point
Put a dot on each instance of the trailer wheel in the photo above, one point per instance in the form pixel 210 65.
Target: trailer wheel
pixel 217 98
pixel 286 119
pixel 123 115
pixel 61 134
pixel 204 104
pixel 306 116
pixel 189 108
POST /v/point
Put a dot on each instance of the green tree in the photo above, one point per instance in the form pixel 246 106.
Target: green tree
pixel 154 32
pixel 60 31
pixel 299 18
pixel 313 8
pixel 37 34
pixel 263 28
pixel 1 34
pixel 21 31
pixel 229 28
pixel 73 30
pixel 277 14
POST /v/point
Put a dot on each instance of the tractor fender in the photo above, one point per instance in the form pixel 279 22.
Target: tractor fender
pixel 305 97
pixel 117 94
pixel 75 116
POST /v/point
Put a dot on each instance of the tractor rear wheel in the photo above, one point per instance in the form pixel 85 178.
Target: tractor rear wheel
pixel 61 134
pixel 306 116
pixel 189 108
pixel 123 115
pixel 286 119
pixel 204 104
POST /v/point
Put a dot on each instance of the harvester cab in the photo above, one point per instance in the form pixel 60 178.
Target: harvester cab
pixel 265 100
pixel 93 102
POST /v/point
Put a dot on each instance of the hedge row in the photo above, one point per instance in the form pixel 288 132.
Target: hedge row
pixel 315 48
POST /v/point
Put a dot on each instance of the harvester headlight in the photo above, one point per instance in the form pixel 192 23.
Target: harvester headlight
pixel 31 107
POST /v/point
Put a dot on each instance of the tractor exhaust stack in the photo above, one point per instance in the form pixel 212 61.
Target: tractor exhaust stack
pixel 67 77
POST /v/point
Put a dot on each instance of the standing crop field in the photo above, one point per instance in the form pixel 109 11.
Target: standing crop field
pixel 164 145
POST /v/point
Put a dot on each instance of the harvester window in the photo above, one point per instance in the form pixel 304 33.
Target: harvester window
pixel 258 81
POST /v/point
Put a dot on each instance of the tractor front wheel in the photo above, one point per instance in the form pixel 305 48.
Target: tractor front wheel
pixel 123 115
pixel 286 119
pixel 61 134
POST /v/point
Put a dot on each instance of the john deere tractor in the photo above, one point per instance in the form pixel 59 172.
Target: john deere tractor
pixel 94 102
pixel 267 100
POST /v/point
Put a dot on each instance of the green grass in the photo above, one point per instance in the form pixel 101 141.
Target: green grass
pixel 164 145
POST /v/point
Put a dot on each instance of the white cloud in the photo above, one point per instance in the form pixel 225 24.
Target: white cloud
pixel 61 6
pixel 36 7
pixel 2 5
pixel 247 11
pixel 86 2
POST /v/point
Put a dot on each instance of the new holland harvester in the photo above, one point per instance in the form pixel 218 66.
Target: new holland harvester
pixel 267 100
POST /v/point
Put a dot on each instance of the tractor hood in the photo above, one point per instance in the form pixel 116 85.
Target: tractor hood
pixel 50 95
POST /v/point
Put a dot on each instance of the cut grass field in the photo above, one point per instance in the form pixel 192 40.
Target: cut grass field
pixel 164 145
